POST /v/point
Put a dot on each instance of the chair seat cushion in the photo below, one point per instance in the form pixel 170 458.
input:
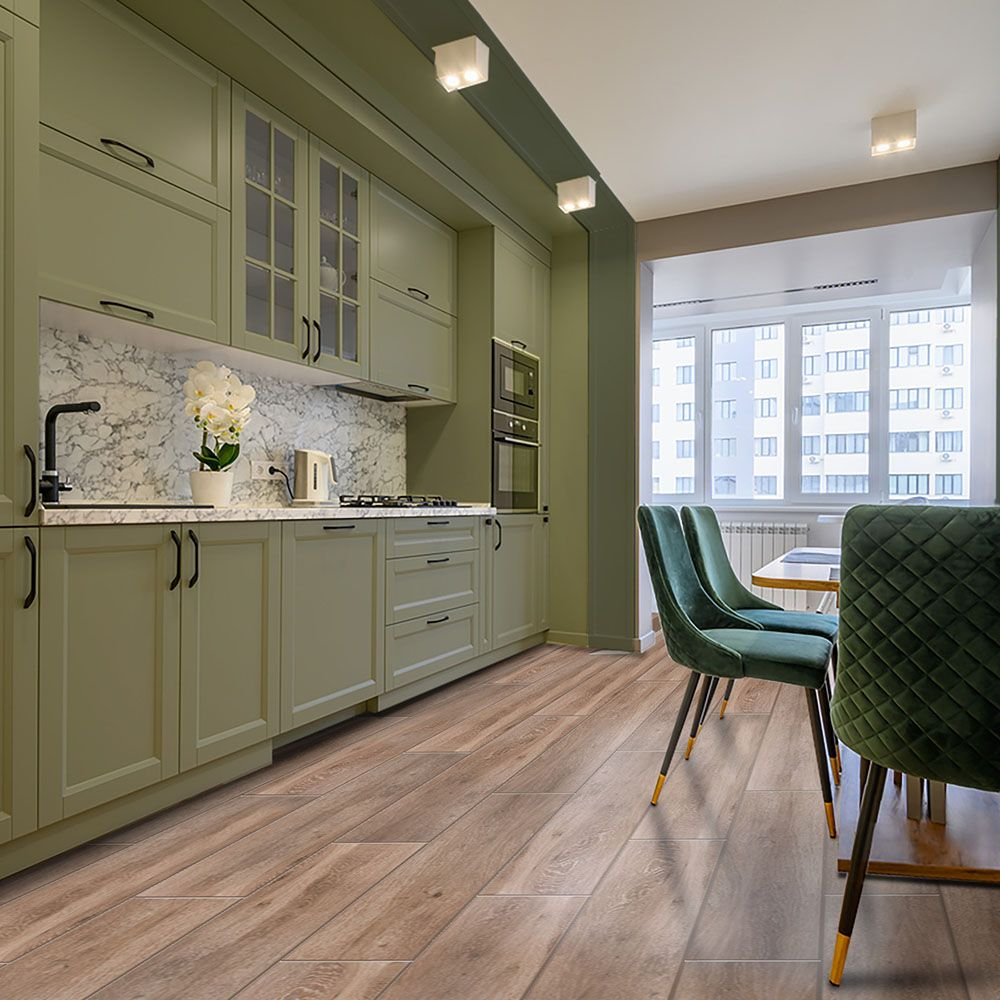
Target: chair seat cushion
pixel 777 656
pixel 802 622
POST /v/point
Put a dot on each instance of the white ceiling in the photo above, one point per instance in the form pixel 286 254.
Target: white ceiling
pixel 691 104
pixel 928 256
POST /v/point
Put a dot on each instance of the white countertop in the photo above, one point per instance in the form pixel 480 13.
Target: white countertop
pixel 67 515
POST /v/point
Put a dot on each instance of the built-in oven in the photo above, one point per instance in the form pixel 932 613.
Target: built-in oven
pixel 515 463
pixel 515 381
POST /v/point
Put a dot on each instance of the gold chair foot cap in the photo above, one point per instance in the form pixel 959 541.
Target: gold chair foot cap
pixel 840 947
pixel 656 791
pixel 690 746
pixel 835 771
pixel 722 711
pixel 831 821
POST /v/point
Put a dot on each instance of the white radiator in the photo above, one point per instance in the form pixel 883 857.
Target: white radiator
pixel 753 544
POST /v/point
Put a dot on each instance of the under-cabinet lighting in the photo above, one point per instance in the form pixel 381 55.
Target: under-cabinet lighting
pixel 462 63
pixel 894 133
pixel 580 192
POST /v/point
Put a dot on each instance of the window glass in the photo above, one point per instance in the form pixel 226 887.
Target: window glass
pixel 673 403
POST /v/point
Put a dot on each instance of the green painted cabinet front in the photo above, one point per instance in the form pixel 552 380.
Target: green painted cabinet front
pixel 18 681
pixel 109 664
pixel 333 576
pixel 520 296
pixel 113 81
pixel 230 638
pixel 116 240
pixel 18 270
pixel 517 601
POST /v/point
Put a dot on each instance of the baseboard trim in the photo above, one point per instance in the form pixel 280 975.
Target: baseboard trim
pixel 645 642
pixel 570 638
pixel 623 643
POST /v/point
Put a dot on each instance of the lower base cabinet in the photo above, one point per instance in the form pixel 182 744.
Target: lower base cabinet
pixel 333 575
pixel 518 589
pixel 425 646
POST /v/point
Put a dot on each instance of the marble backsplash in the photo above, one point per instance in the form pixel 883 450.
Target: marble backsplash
pixel 139 446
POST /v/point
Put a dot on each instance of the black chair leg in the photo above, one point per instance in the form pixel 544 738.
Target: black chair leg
pixel 867 817
pixel 829 735
pixel 864 767
pixel 726 695
pixel 699 715
pixel 675 736
pixel 812 702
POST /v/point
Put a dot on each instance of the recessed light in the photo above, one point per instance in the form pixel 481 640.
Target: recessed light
pixel 461 63
pixel 894 133
pixel 580 192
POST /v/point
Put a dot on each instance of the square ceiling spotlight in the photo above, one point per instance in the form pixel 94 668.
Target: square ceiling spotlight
pixel 894 133
pixel 581 192
pixel 462 63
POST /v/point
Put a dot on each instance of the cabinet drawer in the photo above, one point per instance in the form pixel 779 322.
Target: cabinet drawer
pixel 418 536
pixel 422 586
pixel 428 645
pixel 111 233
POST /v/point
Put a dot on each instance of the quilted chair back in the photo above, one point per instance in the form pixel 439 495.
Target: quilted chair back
pixel 918 682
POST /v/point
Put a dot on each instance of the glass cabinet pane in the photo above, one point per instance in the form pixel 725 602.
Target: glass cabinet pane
pixel 284 165
pixel 329 309
pixel 284 309
pixel 329 258
pixel 258 225
pixel 258 300
pixel 284 237
pixel 329 192
pixel 258 150
pixel 349 351
pixel 350 280
pixel 350 204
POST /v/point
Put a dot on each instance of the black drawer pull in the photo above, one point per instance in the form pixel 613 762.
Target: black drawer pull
pixel 418 293
pixel 130 149
pixel 432 524
pixel 432 561
pixel 33 590
pixel 197 558
pixel 176 539
pixel 417 385
pixel 33 470
pixel 339 527
pixel 305 351
pixel 111 304
pixel 519 343
pixel 437 621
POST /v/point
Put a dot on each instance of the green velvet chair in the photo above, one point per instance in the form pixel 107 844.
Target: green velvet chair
pixel 918 686
pixel 714 643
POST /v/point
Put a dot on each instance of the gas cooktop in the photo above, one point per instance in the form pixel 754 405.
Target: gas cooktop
pixel 404 500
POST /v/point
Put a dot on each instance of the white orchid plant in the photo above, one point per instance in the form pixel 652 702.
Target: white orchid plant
pixel 219 403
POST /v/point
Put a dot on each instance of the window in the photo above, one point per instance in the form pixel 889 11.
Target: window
pixel 948 441
pixel 765 486
pixel 949 399
pixel 725 448
pixel 912 485
pixel 911 356
pixel 656 413
pixel 846 361
pixel 810 484
pixel 766 407
pixel 724 486
pixel 846 484
pixel 907 441
pixel 656 376
pixel 685 448
pixel 685 412
pixel 811 444
pixel 847 402
pixel 810 406
pixel 811 364
pixel 765 368
pixel 725 409
pixel 768 332
pixel 950 354
pixel 683 342
pixel 656 449
pixel 948 485
pixel 765 446
pixel 683 484
pixel 725 371
pixel 656 484
pixel 909 399
pixel 685 374
pixel 847 444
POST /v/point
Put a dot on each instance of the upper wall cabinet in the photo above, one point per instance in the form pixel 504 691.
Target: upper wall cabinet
pixel 521 296
pixel 113 81
pixel 412 251
pixel 300 226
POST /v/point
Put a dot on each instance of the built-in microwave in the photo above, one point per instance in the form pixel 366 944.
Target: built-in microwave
pixel 515 381
pixel 515 463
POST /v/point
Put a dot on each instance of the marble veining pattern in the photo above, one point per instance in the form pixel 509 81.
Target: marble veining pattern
pixel 139 446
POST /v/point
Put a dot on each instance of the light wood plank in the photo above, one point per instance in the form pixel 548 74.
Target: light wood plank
pixel 492 951
pixel 753 697
pixel 748 980
pixel 323 981
pixel 246 865
pixel 630 937
pixel 402 914
pixel 771 875
pixel 230 951
pixel 527 667
pixel 567 765
pixel 586 697
pixel 38 916
pixel 52 870
pixel 96 952
pixel 574 849
pixel 787 759
pixel 973 913
pixel 654 733
pixel 434 806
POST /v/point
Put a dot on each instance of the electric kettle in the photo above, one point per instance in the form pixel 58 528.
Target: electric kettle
pixel 314 476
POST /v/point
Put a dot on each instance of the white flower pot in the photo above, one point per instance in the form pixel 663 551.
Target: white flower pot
pixel 215 488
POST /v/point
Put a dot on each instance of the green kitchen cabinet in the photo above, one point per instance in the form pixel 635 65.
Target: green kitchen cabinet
pixel 517 590
pixel 414 347
pixel 116 83
pixel 19 467
pixel 412 251
pixel 333 586
pixel 230 638
pixel 18 681
pixel 520 296
pixel 109 664
pixel 425 646
pixel 116 240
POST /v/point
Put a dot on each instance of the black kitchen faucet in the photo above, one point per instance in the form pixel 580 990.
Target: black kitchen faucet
pixel 51 487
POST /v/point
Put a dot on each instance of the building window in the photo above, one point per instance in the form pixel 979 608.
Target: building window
pixel 656 413
pixel 725 371
pixel 811 364
pixel 910 356
pixel 724 486
pixel 766 486
pixel 656 484
pixel 846 484
pixel 950 354
pixel 685 448
pixel 685 412
pixel 656 376
pixel 811 406
pixel 847 444
pixel 949 399
pixel 948 485
pixel 766 368
pixel 847 361
pixel 683 342
pixel 685 374
pixel 656 449
pixel 810 484
pixel 725 409
pixel 847 402
pixel 910 485
pixel 684 484
pixel 811 444
pixel 948 441
pixel 767 332
pixel 765 446
pixel 909 399
pixel 724 448
pixel 766 407
pixel 905 441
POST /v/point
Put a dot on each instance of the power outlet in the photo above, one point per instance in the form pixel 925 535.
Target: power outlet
pixel 259 467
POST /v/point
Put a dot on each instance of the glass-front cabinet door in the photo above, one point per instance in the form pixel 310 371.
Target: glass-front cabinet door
pixel 270 232
pixel 339 261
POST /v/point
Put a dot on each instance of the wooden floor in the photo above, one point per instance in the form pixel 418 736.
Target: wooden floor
pixel 494 840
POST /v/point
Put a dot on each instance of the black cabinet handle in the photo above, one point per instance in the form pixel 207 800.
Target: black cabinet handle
pixel 305 351
pixel 437 524
pixel 197 558
pixel 319 341
pixel 338 527
pixel 33 470
pixel 176 539
pixel 130 149
pixel 112 304
pixel 33 590
pixel 519 343
pixel 417 385
pixel 430 562
pixel 418 293
pixel 437 621
pixel 496 548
